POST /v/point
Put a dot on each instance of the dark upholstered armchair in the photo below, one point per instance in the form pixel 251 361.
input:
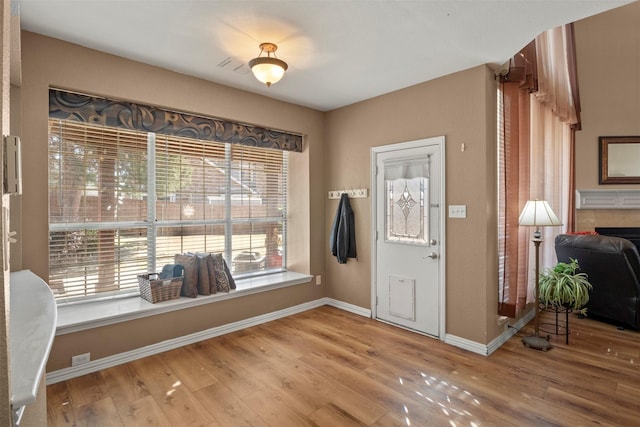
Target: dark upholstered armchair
pixel 613 267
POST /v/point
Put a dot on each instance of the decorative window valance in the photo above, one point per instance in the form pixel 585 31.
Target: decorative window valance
pixel 128 115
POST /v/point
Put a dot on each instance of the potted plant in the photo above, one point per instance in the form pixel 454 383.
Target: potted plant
pixel 564 286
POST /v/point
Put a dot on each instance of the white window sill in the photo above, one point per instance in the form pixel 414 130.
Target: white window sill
pixel 88 315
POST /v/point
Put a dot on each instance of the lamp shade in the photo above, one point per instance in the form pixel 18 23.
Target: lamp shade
pixel 268 69
pixel 538 213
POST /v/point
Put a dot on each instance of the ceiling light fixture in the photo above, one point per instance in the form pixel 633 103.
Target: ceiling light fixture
pixel 268 69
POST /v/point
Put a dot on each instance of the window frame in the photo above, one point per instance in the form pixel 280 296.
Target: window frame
pixel 152 224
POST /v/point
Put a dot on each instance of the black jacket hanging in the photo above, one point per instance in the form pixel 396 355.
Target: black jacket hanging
pixel 342 240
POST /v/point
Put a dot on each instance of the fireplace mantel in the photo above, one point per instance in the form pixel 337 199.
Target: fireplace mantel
pixel 607 199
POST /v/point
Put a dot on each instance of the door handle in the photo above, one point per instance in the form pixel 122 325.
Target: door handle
pixel 432 255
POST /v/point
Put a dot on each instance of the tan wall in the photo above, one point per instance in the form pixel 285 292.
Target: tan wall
pixel 462 108
pixel 589 219
pixel 48 62
pixel 608 53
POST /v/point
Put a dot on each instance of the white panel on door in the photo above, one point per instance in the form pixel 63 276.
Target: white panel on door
pixel 402 297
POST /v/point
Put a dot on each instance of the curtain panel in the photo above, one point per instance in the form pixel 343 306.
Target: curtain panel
pixel 513 192
pixel 538 116
pixel 128 115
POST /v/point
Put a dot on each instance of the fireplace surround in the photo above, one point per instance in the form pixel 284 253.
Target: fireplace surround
pixel 607 208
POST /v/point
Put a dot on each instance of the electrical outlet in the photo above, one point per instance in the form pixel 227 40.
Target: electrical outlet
pixel 457 211
pixel 80 359
pixel 318 280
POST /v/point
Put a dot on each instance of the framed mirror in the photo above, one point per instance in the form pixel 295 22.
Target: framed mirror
pixel 619 159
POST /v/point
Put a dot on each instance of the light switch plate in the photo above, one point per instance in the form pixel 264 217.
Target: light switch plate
pixel 457 211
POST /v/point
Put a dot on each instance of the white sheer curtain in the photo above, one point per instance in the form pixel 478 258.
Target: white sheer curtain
pixel 550 164
pixel 554 82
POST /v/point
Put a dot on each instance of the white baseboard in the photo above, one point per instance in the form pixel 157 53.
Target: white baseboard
pixel 128 356
pixel 465 344
pixel 150 350
pixel 495 344
pixel 510 331
pixel 355 309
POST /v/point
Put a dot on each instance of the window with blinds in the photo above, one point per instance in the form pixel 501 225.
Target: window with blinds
pixel 123 203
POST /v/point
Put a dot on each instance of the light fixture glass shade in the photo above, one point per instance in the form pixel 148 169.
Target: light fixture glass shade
pixel 268 70
pixel 538 213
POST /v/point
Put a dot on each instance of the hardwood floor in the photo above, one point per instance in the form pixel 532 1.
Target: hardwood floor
pixel 328 367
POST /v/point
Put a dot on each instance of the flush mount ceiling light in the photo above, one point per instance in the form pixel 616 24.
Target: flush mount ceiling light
pixel 268 69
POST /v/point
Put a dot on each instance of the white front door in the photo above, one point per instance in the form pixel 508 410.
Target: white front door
pixel 407 196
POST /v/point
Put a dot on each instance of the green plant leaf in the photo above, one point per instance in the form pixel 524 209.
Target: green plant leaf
pixel 563 285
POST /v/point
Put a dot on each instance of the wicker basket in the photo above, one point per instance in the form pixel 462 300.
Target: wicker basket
pixel 154 289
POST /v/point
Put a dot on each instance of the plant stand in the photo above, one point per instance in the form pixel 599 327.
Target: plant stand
pixel 561 326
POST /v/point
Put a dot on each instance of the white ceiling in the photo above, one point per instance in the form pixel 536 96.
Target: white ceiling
pixel 339 52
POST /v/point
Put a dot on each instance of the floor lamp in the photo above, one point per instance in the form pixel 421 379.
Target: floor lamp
pixel 537 213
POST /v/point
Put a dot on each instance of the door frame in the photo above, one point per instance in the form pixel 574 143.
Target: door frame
pixel 418 143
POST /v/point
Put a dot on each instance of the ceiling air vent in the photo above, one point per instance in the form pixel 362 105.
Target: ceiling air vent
pixel 235 65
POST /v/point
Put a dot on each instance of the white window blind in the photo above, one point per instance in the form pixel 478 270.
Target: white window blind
pixel 122 203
